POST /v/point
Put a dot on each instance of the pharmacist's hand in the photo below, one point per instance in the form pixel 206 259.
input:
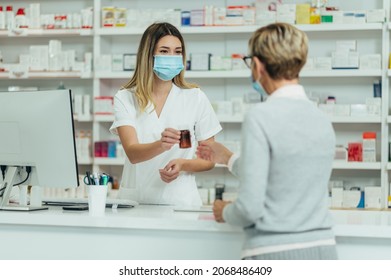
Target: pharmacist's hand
pixel 171 171
pixel 218 207
pixel 214 152
pixel 169 138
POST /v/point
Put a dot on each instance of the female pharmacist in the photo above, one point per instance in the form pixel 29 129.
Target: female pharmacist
pixel 287 154
pixel 149 111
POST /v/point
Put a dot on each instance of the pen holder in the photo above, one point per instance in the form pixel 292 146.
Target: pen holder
pixel 97 200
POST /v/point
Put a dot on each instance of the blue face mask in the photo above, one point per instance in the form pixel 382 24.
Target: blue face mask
pixel 166 67
pixel 258 88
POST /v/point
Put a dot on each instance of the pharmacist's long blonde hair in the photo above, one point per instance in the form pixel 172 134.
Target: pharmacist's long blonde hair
pixel 142 81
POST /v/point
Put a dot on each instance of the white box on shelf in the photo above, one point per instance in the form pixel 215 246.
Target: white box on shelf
pixel 117 62
pixel 370 61
pixel 39 56
pixel 373 106
pixel 351 198
pixel 200 61
pixel 322 63
pixel 103 63
pixel 78 104
pixel 360 17
pixel 376 15
pixel 348 17
pixel 309 65
pixel 337 197
pixel 341 110
pixel 345 60
pixel 358 110
pixel 129 61
pixel 373 197
pixel 86 106
pixel 219 14
pixel 328 109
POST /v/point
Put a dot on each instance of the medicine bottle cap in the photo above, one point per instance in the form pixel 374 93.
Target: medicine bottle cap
pixel 20 12
pixel 236 55
pixel 369 135
pixel 9 8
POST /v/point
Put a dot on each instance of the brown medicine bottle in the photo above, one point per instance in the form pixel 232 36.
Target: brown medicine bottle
pixel 185 140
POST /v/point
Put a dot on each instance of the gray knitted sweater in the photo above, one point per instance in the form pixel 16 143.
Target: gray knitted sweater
pixel 286 160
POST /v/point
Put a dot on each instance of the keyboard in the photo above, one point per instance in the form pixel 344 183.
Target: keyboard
pixel 110 202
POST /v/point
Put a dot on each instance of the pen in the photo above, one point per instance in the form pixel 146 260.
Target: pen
pixel 88 175
pixel 103 179
pixel 96 179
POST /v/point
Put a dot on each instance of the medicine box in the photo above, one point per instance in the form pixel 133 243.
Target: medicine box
pixel 117 62
pixel 129 62
pixel 351 198
pixel 373 197
pixel 200 61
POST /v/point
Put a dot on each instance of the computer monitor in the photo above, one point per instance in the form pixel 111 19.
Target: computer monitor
pixel 37 133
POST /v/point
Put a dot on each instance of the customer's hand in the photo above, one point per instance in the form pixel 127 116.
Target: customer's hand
pixel 171 171
pixel 170 137
pixel 214 152
pixel 218 207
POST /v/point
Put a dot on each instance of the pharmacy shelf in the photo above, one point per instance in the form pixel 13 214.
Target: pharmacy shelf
pixel 218 74
pixel 223 119
pixel 25 32
pixel 104 118
pixel 246 74
pixel 344 165
pixel 340 27
pixel 340 73
pixel 231 119
pixel 334 119
pixel 117 31
pixel 389 72
pixel 388 166
pixel 188 74
pixel 357 165
pixel 83 118
pixel 109 161
pixel 45 75
pixel 389 119
pixel 85 161
pixel 364 119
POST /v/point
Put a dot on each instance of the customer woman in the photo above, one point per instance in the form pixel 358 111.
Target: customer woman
pixel 286 157
pixel 149 111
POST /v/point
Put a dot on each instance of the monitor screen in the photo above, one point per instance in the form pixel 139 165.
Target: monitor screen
pixel 37 134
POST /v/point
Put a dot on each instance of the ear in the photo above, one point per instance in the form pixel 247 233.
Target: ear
pixel 259 68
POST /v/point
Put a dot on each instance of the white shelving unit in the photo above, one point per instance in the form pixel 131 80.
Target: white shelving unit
pixel 349 86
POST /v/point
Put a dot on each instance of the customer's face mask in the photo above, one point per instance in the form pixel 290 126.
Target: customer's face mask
pixel 166 67
pixel 258 88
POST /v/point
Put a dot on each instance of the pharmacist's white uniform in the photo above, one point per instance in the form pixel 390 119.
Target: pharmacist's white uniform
pixel 141 181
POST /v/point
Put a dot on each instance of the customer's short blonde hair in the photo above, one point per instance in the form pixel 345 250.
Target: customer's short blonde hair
pixel 282 48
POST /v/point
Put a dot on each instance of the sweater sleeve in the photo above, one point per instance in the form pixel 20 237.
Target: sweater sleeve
pixel 253 173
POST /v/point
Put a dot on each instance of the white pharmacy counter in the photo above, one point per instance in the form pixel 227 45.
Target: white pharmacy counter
pixel 159 232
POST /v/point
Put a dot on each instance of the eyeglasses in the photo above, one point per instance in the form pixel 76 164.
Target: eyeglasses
pixel 247 60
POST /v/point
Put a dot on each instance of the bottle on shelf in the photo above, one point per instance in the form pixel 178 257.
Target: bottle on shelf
pixel 2 18
pixel 9 18
pixel 20 19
